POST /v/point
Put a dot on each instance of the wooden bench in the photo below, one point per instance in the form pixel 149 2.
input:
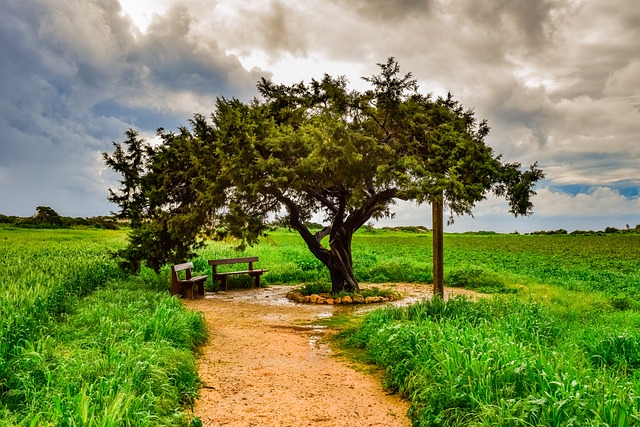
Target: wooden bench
pixel 185 287
pixel 222 277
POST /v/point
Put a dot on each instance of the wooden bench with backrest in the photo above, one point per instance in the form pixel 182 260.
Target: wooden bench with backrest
pixel 222 276
pixel 185 287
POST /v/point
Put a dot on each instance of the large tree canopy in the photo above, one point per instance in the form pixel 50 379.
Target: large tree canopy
pixel 306 149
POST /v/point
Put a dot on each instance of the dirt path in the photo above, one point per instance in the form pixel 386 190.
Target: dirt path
pixel 266 364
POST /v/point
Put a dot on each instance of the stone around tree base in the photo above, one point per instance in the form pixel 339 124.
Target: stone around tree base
pixel 326 299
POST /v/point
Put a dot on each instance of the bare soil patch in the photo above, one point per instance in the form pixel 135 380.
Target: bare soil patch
pixel 266 364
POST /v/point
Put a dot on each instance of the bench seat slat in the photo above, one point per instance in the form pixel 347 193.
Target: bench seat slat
pixel 222 276
pixel 232 260
pixel 195 279
pixel 229 273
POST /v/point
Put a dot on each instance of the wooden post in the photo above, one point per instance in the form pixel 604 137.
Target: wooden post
pixel 437 214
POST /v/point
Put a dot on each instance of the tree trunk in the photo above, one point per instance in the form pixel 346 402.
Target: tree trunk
pixel 437 210
pixel 337 258
pixel 340 265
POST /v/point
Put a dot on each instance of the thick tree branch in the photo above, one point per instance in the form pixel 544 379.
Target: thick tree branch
pixel 360 216
pixel 323 233
pixel 338 219
pixel 322 199
pixel 294 220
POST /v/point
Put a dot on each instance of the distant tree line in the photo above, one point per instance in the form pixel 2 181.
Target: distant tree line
pixel 607 230
pixel 46 217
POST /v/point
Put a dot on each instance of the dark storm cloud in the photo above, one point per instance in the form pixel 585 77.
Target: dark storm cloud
pixel 276 27
pixel 527 21
pixel 75 75
pixel 382 10
pixel 173 58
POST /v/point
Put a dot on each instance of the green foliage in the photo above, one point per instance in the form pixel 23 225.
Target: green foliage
pixel 157 198
pixel 608 264
pixel 319 288
pixel 123 355
pixel 46 217
pixel 315 288
pixel 613 347
pixel 549 232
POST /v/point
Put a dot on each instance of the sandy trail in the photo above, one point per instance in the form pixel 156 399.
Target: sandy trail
pixel 266 364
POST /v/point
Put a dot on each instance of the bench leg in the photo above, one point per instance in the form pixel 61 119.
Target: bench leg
pixel 256 280
pixel 201 289
pixel 188 292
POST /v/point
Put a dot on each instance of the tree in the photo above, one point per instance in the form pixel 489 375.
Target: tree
pixel 46 216
pixel 302 150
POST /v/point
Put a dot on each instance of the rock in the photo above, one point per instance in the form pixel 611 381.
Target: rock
pixel 299 298
pixel 337 301
pixel 347 300
pixel 330 301
pixel 307 299
pixel 320 300
pixel 313 298
pixel 294 295
pixel 372 300
pixel 358 299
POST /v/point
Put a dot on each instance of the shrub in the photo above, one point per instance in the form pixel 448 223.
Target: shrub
pixel 477 279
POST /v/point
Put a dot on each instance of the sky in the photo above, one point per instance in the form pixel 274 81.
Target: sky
pixel 557 80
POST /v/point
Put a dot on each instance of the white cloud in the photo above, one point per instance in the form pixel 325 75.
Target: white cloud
pixel 599 202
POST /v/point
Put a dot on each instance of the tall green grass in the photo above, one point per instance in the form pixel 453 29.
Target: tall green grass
pixel 43 273
pixel 504 362
pixel 82 345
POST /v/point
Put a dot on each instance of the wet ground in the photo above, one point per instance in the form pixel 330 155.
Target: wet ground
pixel 267 363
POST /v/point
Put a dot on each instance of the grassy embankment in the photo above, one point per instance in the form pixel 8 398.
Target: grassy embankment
pixel 82 345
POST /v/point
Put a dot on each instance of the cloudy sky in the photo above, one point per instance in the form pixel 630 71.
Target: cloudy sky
pixel 558 81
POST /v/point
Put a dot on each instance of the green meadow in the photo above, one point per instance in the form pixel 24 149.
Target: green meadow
pixel 83 345
pixel 556 342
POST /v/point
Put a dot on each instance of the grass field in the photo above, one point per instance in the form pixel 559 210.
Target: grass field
pixel 543 265
pixel 83 345
pixel 557 344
